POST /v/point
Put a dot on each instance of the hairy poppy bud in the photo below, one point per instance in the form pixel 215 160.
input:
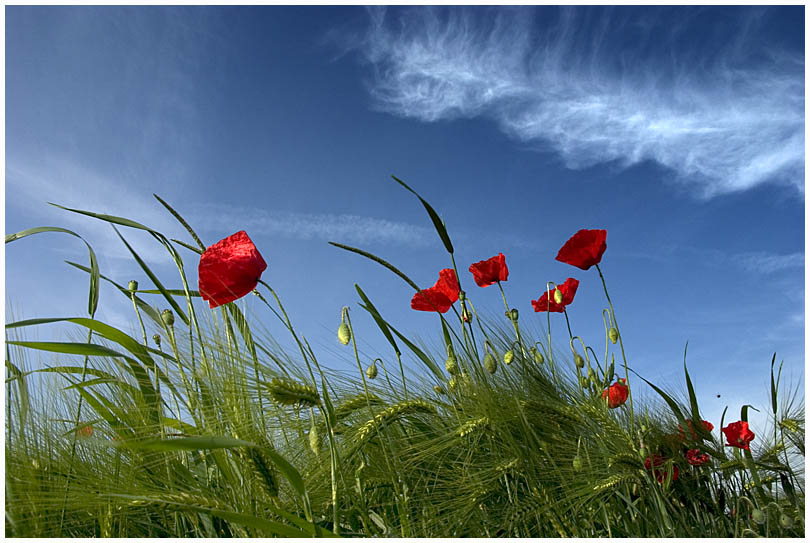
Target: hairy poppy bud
pixel 643 453
pixel 579 361
pixel 439 389
pixel 592 375
pixel 371 371
pixel 451 364
pixel 508 357
pixel 466 315
pixel 538 357
pixel 785 521
pixel 462 295
pixel 558 297
pixel 314 440
pixel 577 463
pixel 168 317
pixel 758 516
pixel 490 363
pixel 613 334
pixel 344 334
pixel 156 339
pixel 513 314
pixel 132 286
pixel 583 382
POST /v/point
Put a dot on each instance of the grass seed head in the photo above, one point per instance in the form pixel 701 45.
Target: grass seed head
pixel 291 393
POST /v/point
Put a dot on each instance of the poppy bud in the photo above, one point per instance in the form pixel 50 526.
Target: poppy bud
pixel 583 382
pixel 462 295
pixel 785 521
pixel 508 357
pixel 613 334
pixel 558 297
pixel 490 363
pixel 758 516
pixel 643 453
pixel 466 316
pixel 371 371
pixel 451 365
pixel 156 339
pixel 538 357
pixel 132 286
pixel 439 389
pixel 579 361
pixel 513 314
pixel 592 375
pixel 577 463
pixel 314 440
pixel 344 334
pixel 168 317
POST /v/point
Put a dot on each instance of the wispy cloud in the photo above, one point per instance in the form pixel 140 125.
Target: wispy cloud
pixel 769 262
pixel 588 88
pixel 348 228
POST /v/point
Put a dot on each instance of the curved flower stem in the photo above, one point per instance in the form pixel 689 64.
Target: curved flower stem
pixel 458 280
pixel 140 320
pixel 548 321
pixel 568 323
pixel 607 335
pixel 514 322
pixel 621 345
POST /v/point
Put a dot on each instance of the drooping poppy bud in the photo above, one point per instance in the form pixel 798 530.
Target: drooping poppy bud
pixel 371 371
pixel 579 361
pixel 451 364
pixel 577 463
pixel 558 296
pixel 314 440
pixel 156 339
pixel 168 317
pixel 132 286
pixel 538 357
pixel 508 357
pixel 514 314
pixel 785 521
pixel 568 290
pixel 613 334
pixel 758 516
pixel 344 333
pixel 490 364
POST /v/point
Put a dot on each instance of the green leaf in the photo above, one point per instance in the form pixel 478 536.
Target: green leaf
pixel 774 405
pixel 288 470
pixel 437 222
pixel 86 349
pixel 421 355
pixel 196 443
pixel 378 260
pixel 668 399
pixel 22 391
pixel 108 218
pixel 154 279
pixel 182 221
pixel 92 303
pixel 377 318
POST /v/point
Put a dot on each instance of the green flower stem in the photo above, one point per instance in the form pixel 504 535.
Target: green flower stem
pixel 568 323
pixel 548 323
pixel 463 305
pixel 140 320
pixel 514 322
pixel 607 334
pixel 621 345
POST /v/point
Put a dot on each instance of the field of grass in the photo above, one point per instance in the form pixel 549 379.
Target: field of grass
pixel 203 427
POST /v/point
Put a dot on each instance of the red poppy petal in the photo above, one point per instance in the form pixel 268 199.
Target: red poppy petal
pixel 488 272
pixel 584 249
pixel 229 269
pixel 430 300
pixel 448 284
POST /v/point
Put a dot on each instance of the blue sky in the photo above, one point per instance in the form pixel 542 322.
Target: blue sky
pixel 680 130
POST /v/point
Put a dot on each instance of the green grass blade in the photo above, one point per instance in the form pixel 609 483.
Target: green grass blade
pixel 196 443
pixel 109 218
pixel 182 221
pixel 774 405
pixel 421 355
pixel 92 303
pixel 154 279
pixel 437 222
pixel 187 246
pixel 377 318
pixel 668 399
pixel 22 388
pixel 378 260
pixel 87 349
pixel 288 470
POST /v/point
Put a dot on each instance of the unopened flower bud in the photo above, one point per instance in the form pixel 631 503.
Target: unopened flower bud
pixel 344 333
pixel 513 314
pixel 168 317
pixel 785 521
pixel 577 463
pixel 613 334
pixel 592 375
pixel 579 361
pixel 466 315
pixel 132 286
pixel 538 357
pixel 314 440
pixel 758 516
pixel 451 364
pixel 490 364
pixel 462 295
pixel 508 357
pixel 156 339
pixel 583 382
pixel 558 297
pixel 643 453
pixel 439 389
pixel 371 371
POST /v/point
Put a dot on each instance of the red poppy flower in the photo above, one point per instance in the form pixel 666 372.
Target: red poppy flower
pixel 584 249
pixel 490 271
pixel 738 435
pixel 706 424
pixel 616 394
pixel 694 457
pixel 568 289
pixel 659 474
pixel 229 269
pixel 441 296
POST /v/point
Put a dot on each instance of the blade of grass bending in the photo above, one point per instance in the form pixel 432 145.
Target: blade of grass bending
pixel 187 246
pixel 131 390
pixel 182 221
pixel 196 443
pixel 697 421
pixel 87 349
pixel 22 389
pixel 108 218
pixel 668 399
pixel 421 355
pixel 774 405
pixel 247 337
pixel 437 222
pixel 154 279
pixel 92 303
pixel 143 306
pixel 377 318
pixel 378 260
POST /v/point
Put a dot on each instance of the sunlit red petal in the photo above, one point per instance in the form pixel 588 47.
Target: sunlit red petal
pixel 584 249
pixel 487 272
pixel 229 269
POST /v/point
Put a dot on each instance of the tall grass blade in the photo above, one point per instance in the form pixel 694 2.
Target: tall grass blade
pixel 378 260
pixel 437 222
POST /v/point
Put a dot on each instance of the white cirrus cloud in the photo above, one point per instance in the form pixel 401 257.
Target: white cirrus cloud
pixel 719 115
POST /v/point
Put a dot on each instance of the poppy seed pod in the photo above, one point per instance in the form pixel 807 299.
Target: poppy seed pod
pixel 785 521
pixel 592 375
pixel 508 357
pixel 466 315
pixel 577 463
pixel 613 334
pixel 490 363
pixel 451 364
pixel 558 297
pixel 579 361
pixel 643 453
pixel 514 314
pixel 371 371
pixel 758 516
pixel 132 286
pixel 344 333
pixel 168 317
pixel 538 357
pixel 314 440
pixel 156 339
